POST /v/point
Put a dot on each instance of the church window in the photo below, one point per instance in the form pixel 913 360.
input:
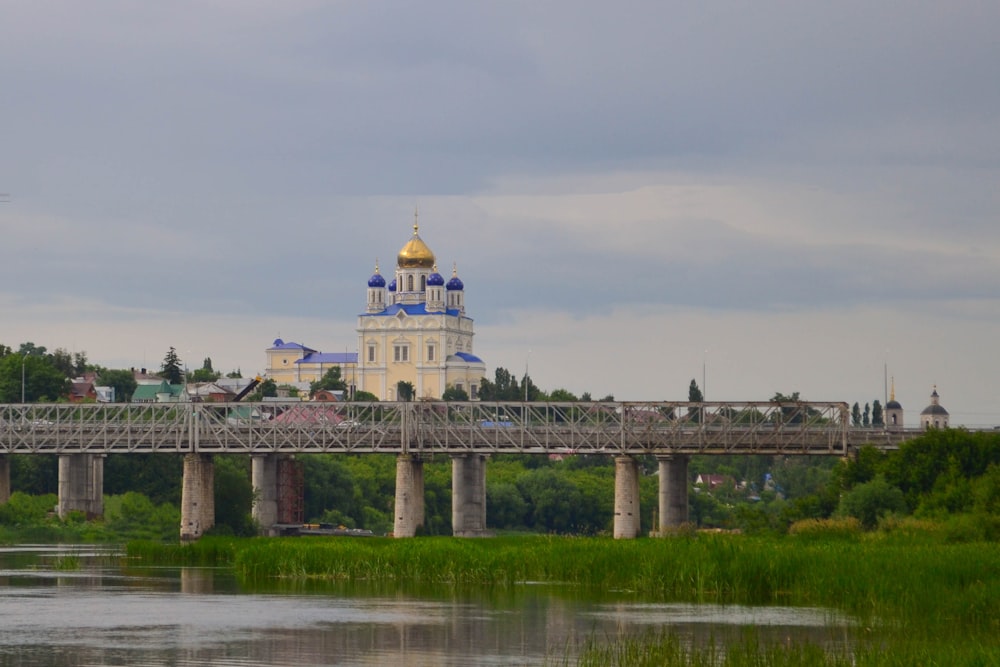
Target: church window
pixel 473 391
pixel 430 353
pixel 371 354
pixel 401 353
pixel 423 283
pixel 409 283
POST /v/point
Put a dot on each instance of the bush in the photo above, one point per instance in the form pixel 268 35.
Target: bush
pixel 872 500
pixel 842 527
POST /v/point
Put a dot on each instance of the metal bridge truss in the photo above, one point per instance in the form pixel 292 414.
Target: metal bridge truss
pixel 428 428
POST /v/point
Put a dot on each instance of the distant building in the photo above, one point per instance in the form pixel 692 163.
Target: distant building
pixel 414 329
pixel 934 415
pixel 893 410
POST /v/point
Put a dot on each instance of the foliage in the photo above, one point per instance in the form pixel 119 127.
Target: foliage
pixel 871 501
pixel 233 496
pixel 172 369
pixel 695 396
pixel 122 381
pixel 134 515
pixel 405 390
pixel 41 380
pixel 453 393
pixel 331 381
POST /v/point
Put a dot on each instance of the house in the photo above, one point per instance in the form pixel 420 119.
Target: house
pixel 82 390
pixel 159 393
pixel 715 481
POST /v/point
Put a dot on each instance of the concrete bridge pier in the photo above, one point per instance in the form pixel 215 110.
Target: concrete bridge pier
pixel 673 492
pixel 197 496
pixel 626 498
pixel 81 485
pixel 264 478
pixel 4 478
pixel 409 509
pixel 468 495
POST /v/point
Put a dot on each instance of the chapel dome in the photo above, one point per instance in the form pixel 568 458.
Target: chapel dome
pixel 455 283
pixel 415 254
pixel 435 279
pixel 376 280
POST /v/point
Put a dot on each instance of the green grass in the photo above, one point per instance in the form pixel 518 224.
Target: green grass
pixel 903 578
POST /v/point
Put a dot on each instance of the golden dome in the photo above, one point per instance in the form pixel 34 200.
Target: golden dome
pixel 415 254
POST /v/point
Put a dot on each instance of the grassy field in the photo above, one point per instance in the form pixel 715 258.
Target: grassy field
pixel 914 595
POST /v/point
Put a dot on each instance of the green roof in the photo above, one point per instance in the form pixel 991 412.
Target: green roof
pixel 148 392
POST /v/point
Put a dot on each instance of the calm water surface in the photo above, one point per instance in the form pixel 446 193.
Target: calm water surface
pixel 86 606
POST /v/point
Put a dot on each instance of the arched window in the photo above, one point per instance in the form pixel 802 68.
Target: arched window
pixel 409 283
pixel 423 283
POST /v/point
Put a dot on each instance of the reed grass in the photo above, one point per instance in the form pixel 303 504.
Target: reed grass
pixel 905 580
pixel 667 649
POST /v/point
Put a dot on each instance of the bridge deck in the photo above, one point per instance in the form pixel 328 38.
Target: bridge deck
pixel 428 428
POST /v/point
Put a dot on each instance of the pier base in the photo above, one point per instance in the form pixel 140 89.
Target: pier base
pixel 264 478
pixel 468 495
pixel 4 478
pixel 197 496
pixel 626 498
pixel 673 472
pixel 409 509
pixel 81 485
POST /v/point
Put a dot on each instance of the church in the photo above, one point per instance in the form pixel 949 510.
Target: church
pixel 414 330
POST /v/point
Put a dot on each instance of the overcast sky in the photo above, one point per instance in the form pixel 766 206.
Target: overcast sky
pixel 763 196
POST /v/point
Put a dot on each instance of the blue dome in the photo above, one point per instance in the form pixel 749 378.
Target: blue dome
pixel 392 285
pixel 455 284
pixel 376 281
pixel 435 279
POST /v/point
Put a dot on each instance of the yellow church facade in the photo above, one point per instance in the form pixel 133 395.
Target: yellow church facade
pixel 414 330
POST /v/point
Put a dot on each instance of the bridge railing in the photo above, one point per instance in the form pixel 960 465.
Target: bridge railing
pixel 427 428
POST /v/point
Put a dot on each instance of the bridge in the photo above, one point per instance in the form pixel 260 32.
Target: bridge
pixel 467 432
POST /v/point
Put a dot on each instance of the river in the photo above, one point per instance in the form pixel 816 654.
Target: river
pixel 78 606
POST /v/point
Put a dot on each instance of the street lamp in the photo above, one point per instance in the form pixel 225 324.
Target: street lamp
pixel 528 356
pixel 23 359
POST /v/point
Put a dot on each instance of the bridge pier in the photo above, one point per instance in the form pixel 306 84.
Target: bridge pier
pixel 673 473
pixel 409 508
pixel 264 478
pixel 4 478
pixel 197 496
pixel 626 498
pixel 81 485
pixel 468 495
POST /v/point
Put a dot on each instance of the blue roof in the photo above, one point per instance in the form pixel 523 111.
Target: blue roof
pixel 376 281
pixel 435 279
pixel 329 358
pixel 412 309
pixel 471 358
pixel 455 284
pixel 282 345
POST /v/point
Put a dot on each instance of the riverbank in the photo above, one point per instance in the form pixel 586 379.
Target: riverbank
pixel 913 588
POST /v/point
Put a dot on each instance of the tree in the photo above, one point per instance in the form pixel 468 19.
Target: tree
pixel 695 396
pixel 878 419
pixel 206 373
pixel 866 416
pixel 872 500
pixel 122 381
pixel 453 393
pixel 331 381
pixel 405 390
pixel 172 370
pixel 856 414
pixel 34 375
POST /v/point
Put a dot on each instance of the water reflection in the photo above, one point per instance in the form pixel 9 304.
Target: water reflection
pixel 104 612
